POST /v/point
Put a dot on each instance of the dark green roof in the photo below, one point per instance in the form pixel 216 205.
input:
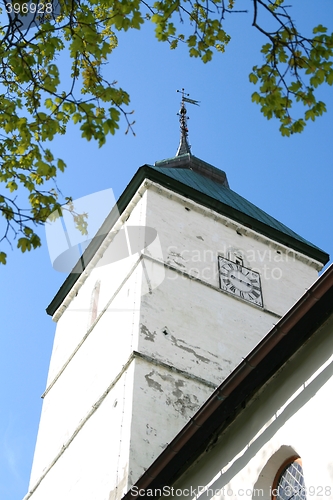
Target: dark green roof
pixel 208 186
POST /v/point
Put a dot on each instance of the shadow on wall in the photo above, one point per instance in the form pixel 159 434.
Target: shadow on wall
pixel 245 449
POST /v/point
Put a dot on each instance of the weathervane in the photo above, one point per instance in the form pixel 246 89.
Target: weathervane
pixel 184 146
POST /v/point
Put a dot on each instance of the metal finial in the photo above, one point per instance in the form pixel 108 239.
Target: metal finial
pixel 184 146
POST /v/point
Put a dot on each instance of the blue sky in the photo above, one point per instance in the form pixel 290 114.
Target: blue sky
pixel 290 178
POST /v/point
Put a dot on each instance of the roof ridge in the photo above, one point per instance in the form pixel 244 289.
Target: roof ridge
pixel 191 162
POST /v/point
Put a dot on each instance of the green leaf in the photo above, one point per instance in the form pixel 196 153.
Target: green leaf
pixel 12 186
pixel 329 77
pixel 115 113
pixel 309 114
pixel 283 58
pixel 61 165
pixel 192 41
pixel 42 168
pixel 207 56
pixel 76 118
pixel 256 97
pixel 194 52
pixel 24 244
pixel 253 78
pixel 285 131
pixel 319 29
pixel 266 48
pixel 295 86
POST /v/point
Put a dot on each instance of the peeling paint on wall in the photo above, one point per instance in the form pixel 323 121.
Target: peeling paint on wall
pixel 174 258
pixel 152 383
pixel 182 402
pixel 148 334
pixel 180 343
pixel 150 430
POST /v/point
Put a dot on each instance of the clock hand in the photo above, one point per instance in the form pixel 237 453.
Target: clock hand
pixel 238 279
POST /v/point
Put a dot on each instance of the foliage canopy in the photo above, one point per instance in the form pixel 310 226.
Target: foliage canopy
pixel 35 107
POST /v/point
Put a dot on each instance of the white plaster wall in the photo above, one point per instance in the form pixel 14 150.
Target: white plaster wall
pixel 74 323
pixel 163 402
pixel 192 237
pixel 90 372
pixel 96 461
pixel 291 415
pixel 87 358
pixel 199 329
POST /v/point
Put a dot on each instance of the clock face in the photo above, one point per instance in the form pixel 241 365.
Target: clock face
pixel 240 281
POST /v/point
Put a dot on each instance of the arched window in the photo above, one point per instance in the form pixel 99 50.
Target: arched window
pixel 289 481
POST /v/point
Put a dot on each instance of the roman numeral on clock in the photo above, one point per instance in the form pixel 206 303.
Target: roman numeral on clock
pixel 240 281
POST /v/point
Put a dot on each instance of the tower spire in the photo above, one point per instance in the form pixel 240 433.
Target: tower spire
pixel 184 146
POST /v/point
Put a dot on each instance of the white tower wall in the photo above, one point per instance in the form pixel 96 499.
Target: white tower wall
pixel 126 376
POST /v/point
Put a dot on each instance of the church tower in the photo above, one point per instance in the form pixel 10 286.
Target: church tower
pixel 184 278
